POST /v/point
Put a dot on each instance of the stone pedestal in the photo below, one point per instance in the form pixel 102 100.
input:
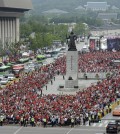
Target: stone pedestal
pixel 71 80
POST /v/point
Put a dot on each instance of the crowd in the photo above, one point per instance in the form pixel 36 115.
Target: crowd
pixel 97 61
pixel 21 103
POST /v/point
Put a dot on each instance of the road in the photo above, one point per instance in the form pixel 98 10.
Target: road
pixel 82 129
pixel 50 130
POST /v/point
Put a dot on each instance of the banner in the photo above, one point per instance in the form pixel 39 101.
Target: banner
pixel 113 44
pixel 92 44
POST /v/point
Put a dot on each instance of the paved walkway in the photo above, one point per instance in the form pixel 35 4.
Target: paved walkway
pixel 53 88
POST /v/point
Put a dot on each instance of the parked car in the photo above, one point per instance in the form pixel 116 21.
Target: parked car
pixel 85 49
pixel 113 127
pixel 48 56
pixel 10 77
pixel 4 81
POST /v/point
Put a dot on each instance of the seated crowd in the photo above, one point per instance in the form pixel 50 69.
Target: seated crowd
pixel 21 103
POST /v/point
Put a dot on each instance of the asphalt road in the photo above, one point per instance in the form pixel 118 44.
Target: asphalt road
pixel 49 130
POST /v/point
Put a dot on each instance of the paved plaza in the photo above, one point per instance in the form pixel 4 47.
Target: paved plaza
pixel 53 88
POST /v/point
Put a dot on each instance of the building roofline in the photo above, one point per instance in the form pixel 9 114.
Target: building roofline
pixel 24 5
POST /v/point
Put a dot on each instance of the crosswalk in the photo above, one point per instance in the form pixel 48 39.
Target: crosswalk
pixel 100 124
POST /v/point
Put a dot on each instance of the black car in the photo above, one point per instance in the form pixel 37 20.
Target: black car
pixel 113 127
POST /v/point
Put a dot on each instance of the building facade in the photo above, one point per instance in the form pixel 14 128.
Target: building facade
pixel 107 16
pixel 97 6
pixel 10 12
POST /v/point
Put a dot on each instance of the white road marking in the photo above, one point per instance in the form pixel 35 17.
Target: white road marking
pixel 69 131
pixel 100 125
pixel 106 125
pixel 94 125
pixel 87 125
pixel 105 122
pixel 17 130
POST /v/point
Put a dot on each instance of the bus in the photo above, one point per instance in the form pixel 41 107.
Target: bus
pixel 23 60
pixel 40 58
pixel 17 69
pixel 5 69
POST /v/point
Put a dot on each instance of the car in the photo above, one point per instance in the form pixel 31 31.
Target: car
pixel 1 77
pixel 85 49
pixel 1 64
pixel 44 63
pixel 113 127
pixel 4 81
pixel 10 77
pixel 48 56
pixel 116 112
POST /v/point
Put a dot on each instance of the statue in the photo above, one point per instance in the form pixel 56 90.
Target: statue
pixel 71 43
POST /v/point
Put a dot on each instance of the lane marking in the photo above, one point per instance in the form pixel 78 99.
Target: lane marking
pixel 94 125
pixel 69 131
pixel 105 122
pixel 17 130
pixel 88 129
pixel 106 125
pixel 100 125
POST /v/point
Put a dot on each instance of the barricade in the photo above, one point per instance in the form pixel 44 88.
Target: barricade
pixel 91 75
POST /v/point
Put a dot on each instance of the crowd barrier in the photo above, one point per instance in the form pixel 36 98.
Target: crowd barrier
pixel 109 109
pixel 101 75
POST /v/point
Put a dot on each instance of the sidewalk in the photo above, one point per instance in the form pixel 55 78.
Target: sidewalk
pixel 53 88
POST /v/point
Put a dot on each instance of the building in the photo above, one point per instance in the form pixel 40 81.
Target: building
pixel 55 11
pixel 107 16
pixel 97 6
pixel 80 8
pixel 10 12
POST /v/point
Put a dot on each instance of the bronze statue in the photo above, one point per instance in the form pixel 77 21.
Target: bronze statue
pixel 71 43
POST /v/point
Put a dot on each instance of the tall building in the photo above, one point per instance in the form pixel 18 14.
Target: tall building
pixel 10 12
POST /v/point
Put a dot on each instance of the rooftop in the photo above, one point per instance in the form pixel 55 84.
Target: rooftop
pixel 16 4
pixel 55 11
pixel 96 5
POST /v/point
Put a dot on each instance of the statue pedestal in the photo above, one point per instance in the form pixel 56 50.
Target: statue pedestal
pixel 71 69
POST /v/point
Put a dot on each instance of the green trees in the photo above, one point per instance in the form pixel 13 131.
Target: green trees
pixel 45 33
pixel 80 29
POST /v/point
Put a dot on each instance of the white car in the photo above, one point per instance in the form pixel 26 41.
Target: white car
pixel 85 49
pixel 4 81
pixel 11 77
pixel 48 55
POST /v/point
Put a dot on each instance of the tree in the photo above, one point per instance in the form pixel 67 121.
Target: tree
pixel 80 29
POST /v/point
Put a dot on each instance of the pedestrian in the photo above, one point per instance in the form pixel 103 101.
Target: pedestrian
pixel 1 121
pixel 58 72
pixel 21 121
pixel 84 120
pixel 72 122
pixel 33 122
pixel 89 121
pixel 63 77
pixel 41 92
pixel 44 122
pixel 24 122
pixel 51 82
pixel 54 78
pixel 46 87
